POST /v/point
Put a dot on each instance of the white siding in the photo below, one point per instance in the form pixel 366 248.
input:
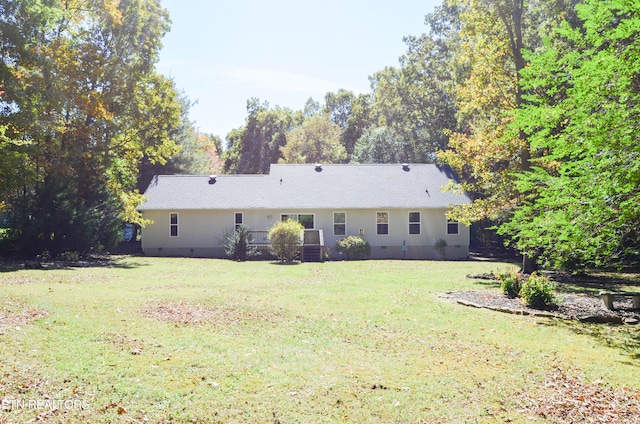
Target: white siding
pixel 202 232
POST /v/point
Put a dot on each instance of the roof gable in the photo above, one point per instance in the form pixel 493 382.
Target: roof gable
pixel 308 186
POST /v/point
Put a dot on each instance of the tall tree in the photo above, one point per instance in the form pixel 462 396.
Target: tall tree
pixel 256 145
pixel 316 140
pixel 380 145
pixel 485 152
pixel 339 106
pixel 83 99
pixel 417 100
pixel 350 113
pixel 197 153
pixel 430 95
pixel 582 118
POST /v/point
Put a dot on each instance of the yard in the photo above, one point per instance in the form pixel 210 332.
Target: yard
pixel 202 340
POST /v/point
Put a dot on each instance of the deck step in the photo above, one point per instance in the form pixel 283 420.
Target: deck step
pixel 312 253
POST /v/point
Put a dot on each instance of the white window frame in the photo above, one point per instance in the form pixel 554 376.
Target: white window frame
pixel 344 233
pixel 237 224
pixel 378 233
pixel 457 227
pixel 296 217
pixel 417 223
pixel 172 225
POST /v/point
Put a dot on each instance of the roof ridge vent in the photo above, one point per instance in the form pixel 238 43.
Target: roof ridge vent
pixel 212 179
pixel 405 167
pixel 318 167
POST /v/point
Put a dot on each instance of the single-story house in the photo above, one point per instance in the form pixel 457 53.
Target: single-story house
pixel 400 209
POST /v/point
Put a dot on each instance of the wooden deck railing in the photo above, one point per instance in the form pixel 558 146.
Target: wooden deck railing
pixel 309 239
pixel 314 237
pixel 259 238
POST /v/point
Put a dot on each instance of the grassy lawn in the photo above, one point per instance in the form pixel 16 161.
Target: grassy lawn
pixel 198 340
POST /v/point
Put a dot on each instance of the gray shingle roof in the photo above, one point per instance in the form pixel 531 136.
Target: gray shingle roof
pixel 299 187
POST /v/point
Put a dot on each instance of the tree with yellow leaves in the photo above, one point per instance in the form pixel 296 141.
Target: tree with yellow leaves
pixel 83 105
pixel 487 151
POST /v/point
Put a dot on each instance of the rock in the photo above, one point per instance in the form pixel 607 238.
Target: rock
pixel 601 319
pixel 631 321
pixel 482 276
pixel 545 315
pixel 467 303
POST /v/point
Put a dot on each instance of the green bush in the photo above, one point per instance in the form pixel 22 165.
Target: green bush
pixel 510 283
pixel 440 246
pixel 538 291
pixel 69 256
pixel 353 247
pixel 284 237
pixel 238 245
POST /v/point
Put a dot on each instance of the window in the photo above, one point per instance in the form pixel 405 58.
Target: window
pixel 173 225
pixel 339 223
pixel 414 223
pixel 452 227
pixel 238 220
pixel 382 221
pixel 307 220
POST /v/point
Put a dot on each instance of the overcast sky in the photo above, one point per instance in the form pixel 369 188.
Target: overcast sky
pixel 221 53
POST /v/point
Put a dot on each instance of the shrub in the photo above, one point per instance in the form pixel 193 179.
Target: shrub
pixel 284 237
pixel 69 256
pixel 440 246
pixel 538 291
pixel 510 283
pixel 44 256
pixel 238 245
pixel 353 247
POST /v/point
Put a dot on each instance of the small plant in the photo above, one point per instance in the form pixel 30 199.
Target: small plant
pixel 353 248
pixel 98 248
pixel 440 246
pixel 538 291
pixel 238 246
pixel 284 237
pixel 44 256
pixel 510 283
pixel 327 253
pixel 69 256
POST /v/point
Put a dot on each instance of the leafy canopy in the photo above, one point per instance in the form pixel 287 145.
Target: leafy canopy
pixel 583 118
pixel 82 106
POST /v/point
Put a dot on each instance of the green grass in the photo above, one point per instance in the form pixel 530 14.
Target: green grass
pixel 222 341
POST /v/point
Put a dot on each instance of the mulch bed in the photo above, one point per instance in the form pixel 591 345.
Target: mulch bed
pixel 581 307
pixel 564 396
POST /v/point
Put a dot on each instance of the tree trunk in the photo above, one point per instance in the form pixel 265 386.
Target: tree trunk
pixel 529 264
pixel 134 235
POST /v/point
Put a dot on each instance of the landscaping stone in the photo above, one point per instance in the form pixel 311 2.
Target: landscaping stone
pixel 572 307
pixel 481 276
